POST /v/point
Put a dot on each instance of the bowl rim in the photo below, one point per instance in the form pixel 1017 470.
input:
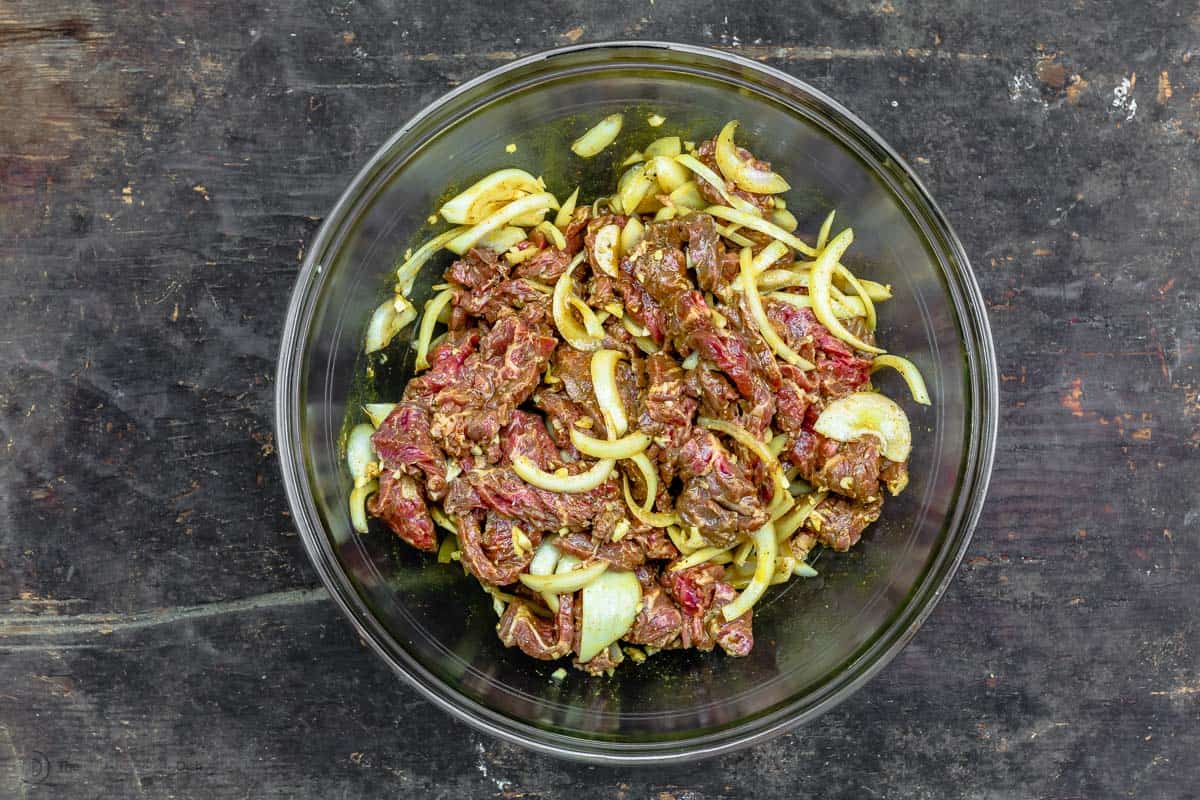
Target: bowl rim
pixel 981 430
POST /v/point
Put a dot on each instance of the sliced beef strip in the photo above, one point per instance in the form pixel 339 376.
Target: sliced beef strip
pixel 403 442
pixel 838 523
pixel 694 590
pixel 562 414
pixel 445 365
pixel 735 637
pixel 492 383
pixel 661 269
pixel 491 554
pixel 400 504
pixel 539 637
pixel 624 554
pixel 546 266
pixel 719 498
pixel 659 621
pixel 839 370
pixel 526 435
pixel 851 469
pixel 499 489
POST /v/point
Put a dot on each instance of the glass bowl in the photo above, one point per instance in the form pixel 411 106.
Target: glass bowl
pixel 818 640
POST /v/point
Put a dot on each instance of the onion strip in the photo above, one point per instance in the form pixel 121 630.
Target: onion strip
pixel 358 504
pixel 769 334
pixel 826 227
pixel 764 571
pixel 625 447
pixel 908 370
pixel 591 323
pixel 389 319
pixel 406 273
pixel 501 217
pixel 433 308
pixel 565 582
pixel 599 136
pixel 820 277
pixel 844 307
pixel 552 233
pixel 655 519
pixel 378 412
pixel 761 225
pixel 568 484
pixel 608 396
pixel 746 176
pixel 717 182
pixel 768 256
pixel 792 522
pixel 576 336
pixel 701 556
pixel 567 210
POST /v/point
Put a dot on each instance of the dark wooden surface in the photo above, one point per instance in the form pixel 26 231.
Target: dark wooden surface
pixel 162 165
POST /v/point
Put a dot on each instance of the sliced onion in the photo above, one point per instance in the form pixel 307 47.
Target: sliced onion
pixel 826 227
pixel 406 273
pixel 389 319
pixel 669 173
pixel 744 173
pixel 636 157
pixel 697 557
pixel 784 218
pixel 488 194
pixel 908 371
pixel 604 250
pixel 378 412
pixel 433 308
pixel 565 582
pixel 552 233
pixel 845 307
pixel 768 256
pixel 631 234
pixel 792 521
pixel 764 570
pixel 669 146
pixel 803 570
pixel 646 345
pixel 502 239
pixel 604 383
pixel 635 187
pixel 501 217
pixel 691 362
pixel 568 328
pixel 563 218
pixel 777 443
pixel 591 323
pixel 867 413
pixel 358 504
pixel 634 329
pixel 447 549
pixel 730 232
pixel 644 512
pixel 439 517
pixel 600 136
pixel 786 503
pixel 609 607
pixel 625 447
pixel 669 212
pixel 545 561
pixel 757 223
pixel 569 484
pixel 878 292
pixel 687 196
pixel 655 120
pixel 780 279
pixel 715 180
pixel 360 453
pixel 769 334
pixel 819 278
pixel 846 275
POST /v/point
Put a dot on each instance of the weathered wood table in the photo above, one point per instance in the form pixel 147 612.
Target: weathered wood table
pixel 162 166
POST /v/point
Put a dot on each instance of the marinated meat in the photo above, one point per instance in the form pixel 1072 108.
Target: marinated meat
pixel 404 442
pixel 499 552
pixel 719 499
pixel 400 504
pixel 838 523
pixel 542 637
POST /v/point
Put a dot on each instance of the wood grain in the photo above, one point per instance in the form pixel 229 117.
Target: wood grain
pixel 162 166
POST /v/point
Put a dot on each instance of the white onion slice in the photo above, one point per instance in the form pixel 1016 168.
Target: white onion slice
pixel 609 607
pixel 625 447
pixel 406 273
pixel 820 276
pixel 433 309
pixel 867 413
pixel 908 370
pixel 489 194
pixel 501 217
pixel 565 582
pixel 358 504
pixel 744 173
pixel 563 218
pixel 604 383
pixel 754 302
pixel 598 137
pixel 569 484
pixel 378 412
pixel 360 453
pixel 764 571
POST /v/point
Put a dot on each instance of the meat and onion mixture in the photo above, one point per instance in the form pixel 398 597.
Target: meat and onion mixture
pixel 629 417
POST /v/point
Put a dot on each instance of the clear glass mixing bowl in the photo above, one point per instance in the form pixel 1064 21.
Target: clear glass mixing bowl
pixel 818 640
